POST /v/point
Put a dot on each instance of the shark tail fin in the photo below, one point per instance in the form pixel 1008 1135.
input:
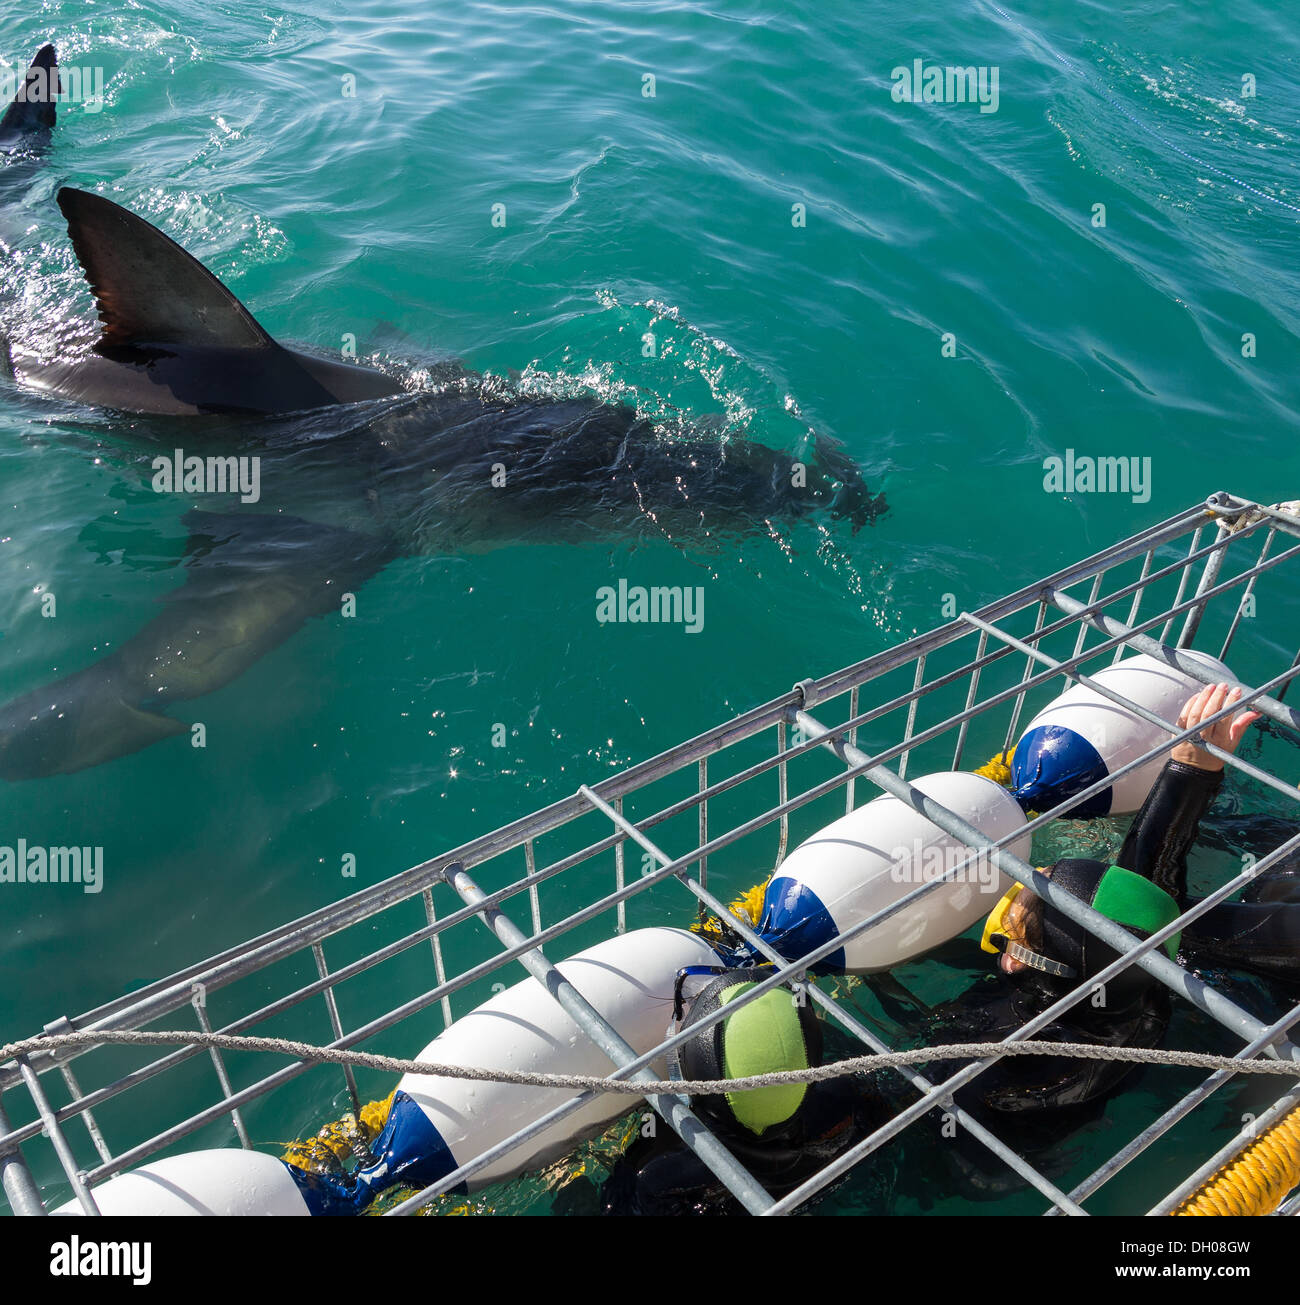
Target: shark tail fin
pixel 147 288
pixel 33 107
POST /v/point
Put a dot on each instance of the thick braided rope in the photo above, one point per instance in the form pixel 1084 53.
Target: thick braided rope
pixel 1256 1180
pixel 305 1051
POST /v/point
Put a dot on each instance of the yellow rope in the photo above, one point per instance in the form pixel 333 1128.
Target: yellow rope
pixel 998 769
pixel 747 907
pixel 336 1142
pixel 1258 1180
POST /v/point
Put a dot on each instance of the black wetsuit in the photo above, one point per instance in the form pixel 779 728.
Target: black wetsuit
pixel 1261 932
pixel 659 1175
pixel 1133 1011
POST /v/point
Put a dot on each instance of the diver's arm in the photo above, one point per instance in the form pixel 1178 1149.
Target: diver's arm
pixel 1165 829
pixel 1262 937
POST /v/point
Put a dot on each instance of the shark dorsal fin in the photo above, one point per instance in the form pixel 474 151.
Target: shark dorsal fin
pixel 33 107
pixel 147 288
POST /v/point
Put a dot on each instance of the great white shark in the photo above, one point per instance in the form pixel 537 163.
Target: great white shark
pixel 376 471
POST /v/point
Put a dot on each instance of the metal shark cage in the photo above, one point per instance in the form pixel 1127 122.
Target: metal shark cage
pixel 649 842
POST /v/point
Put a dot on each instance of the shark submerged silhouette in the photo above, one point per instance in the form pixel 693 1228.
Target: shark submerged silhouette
pixel 382 473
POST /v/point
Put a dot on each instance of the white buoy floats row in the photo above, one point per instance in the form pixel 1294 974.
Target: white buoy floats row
pixel 1083 736
pixel 854 868
pixel 436 1124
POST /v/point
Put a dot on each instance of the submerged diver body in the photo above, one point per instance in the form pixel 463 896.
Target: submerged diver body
pixel 1258 934
pixel 782 1135
pixel 1044 955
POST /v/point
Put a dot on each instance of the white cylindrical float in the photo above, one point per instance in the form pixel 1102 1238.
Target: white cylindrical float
pixel 1082 736
pixel 628 979
pixel 436 1124
pixel 220 1182
pixel 867 860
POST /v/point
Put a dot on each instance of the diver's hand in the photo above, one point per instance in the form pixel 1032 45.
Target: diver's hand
pixel 1226 734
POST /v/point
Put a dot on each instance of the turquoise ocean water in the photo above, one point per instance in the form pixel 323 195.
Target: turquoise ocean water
pixel 626 214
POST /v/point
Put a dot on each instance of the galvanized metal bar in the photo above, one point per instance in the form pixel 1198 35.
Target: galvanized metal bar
pixel 1245 598
pixel 1248 699
pixel 1281 1107
pixel 1025 684
pixel 1269 707
pixel 534 900
pixel 222 1077
pixel 1092 600
pixel 673 1109
pixel 973 688
pixel 1180 1110
pixel 87 1118
pixel 620 880
pixel 57 1140
pixel 917 680
pixel 336 1027
pixel 794 972
pixel 1182 582
pixel 782 796
pixel 64 1025
pixel 1295 666
pixel 1169 972
pixel 439 964
pixel 1209 575
pixel 1138 593
pixel 854 698
pixel 19 1186
pixel 702 785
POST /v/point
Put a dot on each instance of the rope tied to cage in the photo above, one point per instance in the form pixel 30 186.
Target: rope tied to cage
pixel 1253 515
pixel 1255 1182
pixel 868 1064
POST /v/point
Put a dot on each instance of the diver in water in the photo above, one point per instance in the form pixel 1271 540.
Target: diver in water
pixel 782 1135
pixel 1044 955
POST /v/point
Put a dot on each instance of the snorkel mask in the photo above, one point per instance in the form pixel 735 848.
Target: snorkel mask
pixel 995 940
pixel 1120 895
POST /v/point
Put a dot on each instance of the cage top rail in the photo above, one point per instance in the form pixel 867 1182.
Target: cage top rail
pixel 1235 520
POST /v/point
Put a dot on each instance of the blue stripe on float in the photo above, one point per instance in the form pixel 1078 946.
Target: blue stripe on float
pixel 411 1154
pixel 324 1194
pixel 795 922
pixel 1052 764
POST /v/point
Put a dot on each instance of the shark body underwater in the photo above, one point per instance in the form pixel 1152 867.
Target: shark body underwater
pixel 382 473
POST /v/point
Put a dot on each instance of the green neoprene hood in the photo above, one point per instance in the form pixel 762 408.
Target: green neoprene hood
pixel 761 1038
pixel 1136 903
